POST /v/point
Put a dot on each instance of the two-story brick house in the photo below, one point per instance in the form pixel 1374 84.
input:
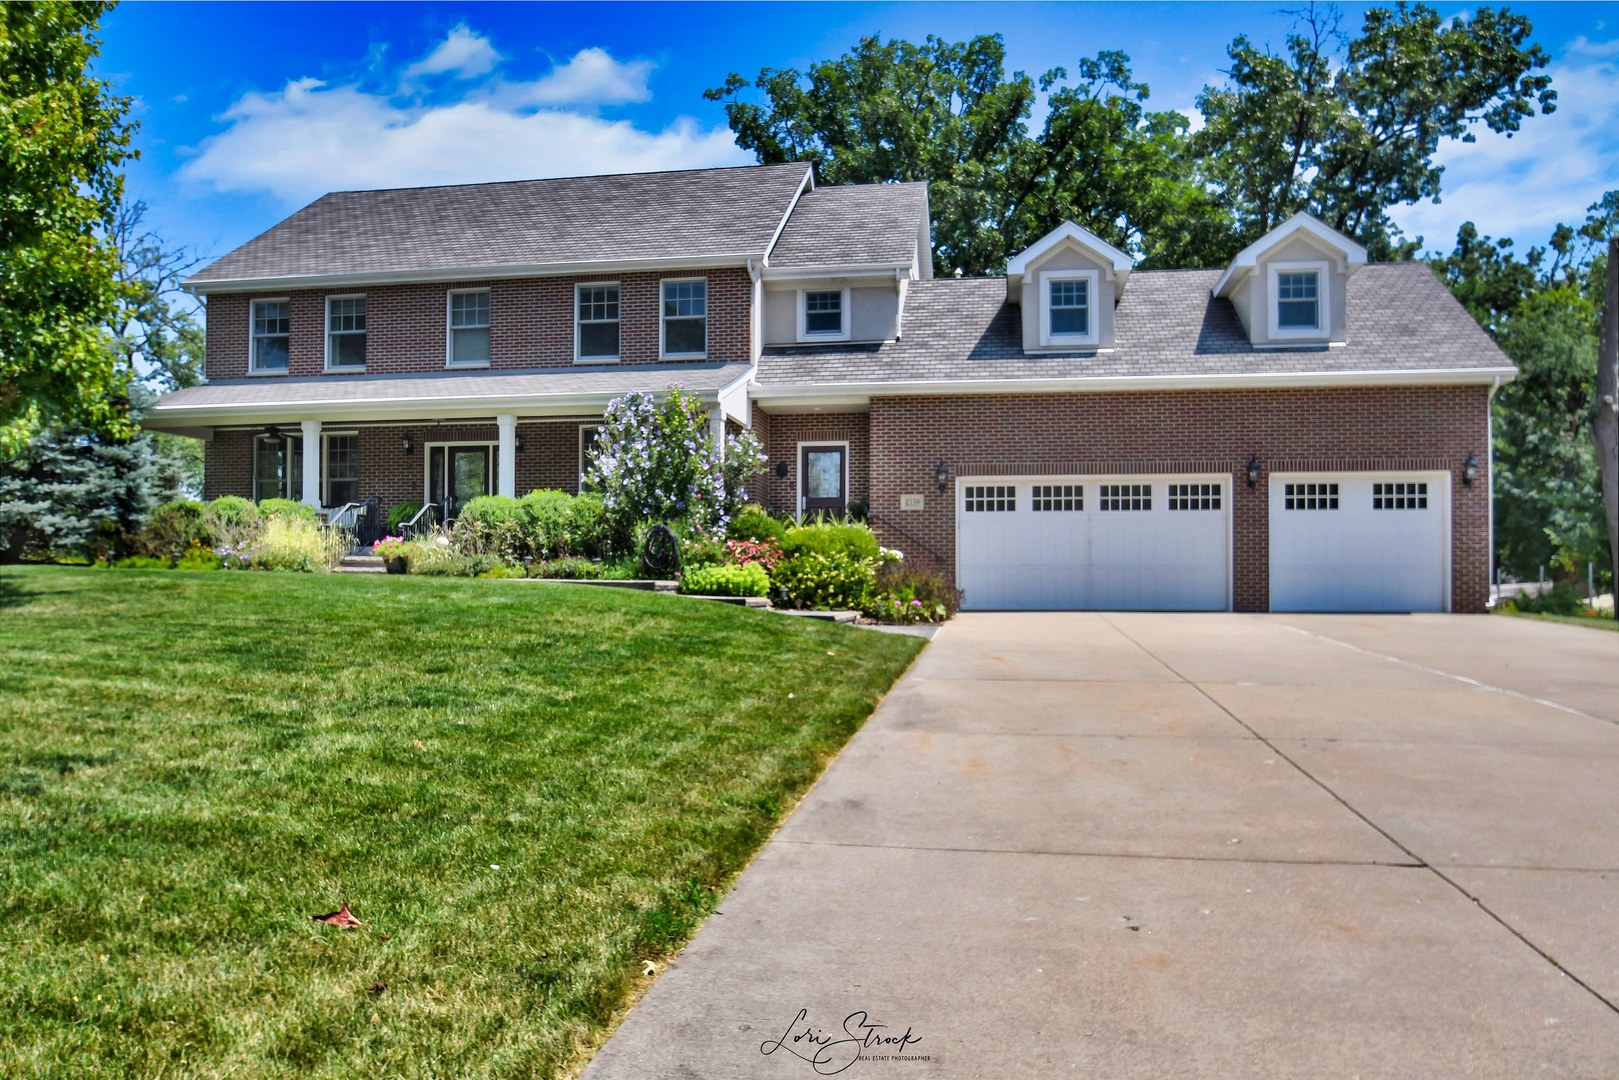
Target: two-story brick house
pixel 1301 430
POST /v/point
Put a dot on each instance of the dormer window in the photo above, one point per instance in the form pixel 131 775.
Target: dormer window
pixel 1068 307
pixel 823 315
pixel 1298 300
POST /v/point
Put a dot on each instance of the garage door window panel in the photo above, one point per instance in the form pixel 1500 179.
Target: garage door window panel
pixel 1400 496
pixel 1194 496
pixel 1058 498
pixel 1311 497
pixel 1126 497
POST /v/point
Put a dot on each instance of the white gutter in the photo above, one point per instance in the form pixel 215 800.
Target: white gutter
pixel 462 273
pixel 788 392
pixel 850 270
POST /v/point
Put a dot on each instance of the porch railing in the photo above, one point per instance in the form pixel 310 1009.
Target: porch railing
pixel 362 519
pixel 425 519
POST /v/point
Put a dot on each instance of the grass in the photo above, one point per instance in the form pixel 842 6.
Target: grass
pixel 525 791
pixel 1597 622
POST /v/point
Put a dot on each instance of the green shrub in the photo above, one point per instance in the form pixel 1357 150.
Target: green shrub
pixel 455 565
pixel 142 562
pixel 287 508
pixel 572 569
pixel 491 525
pixel 294 543
pixel 400 513
pixel 198 558
pixel 939 598
pixel 1562 598
pixel 232 510
pixel 623 568
pixel 587 526
pixel 727 580
pixel 548 522
pixel 503 570
pixel 754 522
pixel 173 528
pixel 835 539
pixel 819 581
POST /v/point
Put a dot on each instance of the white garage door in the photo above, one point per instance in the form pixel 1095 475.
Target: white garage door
pixel 1084 542
pixel 1359 542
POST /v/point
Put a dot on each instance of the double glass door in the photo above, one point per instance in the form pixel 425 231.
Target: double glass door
pixel 456 474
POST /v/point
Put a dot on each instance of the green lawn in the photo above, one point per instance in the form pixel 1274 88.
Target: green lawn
pixel 1604 623
pixel 192 764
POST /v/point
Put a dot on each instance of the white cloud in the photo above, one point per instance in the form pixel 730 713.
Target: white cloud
pixel 1547 173
pixel 465 53
pixel 312 136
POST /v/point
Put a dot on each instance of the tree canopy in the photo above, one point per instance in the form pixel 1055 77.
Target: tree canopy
pixel 1343 127
pixel 63 136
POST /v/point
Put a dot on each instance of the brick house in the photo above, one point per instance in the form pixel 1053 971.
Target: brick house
pixel 1301 430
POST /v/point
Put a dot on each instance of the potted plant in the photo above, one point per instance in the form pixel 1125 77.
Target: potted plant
pixel 392 550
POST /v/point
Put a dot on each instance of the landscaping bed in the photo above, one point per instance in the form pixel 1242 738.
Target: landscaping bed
pixel 524 795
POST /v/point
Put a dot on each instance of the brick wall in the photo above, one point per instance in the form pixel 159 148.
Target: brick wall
pixel 1432 428
pixel 781 436
pixel 531 323
pixel 549 458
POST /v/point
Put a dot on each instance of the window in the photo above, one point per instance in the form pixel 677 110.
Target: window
pixel 685 318
pixel 588 434
pixel 824 313
pixel 995 498
pixel 469 327
pixel 277 468
pixel 597 327
pixel 1058 497
pixel 1310 496
pixel 1194 496
pixel 345 332
pixel 1407 496
pixel 1298 300
pixel 1126 496
pixel 272 336
pixel 1070 307
pixel 342 469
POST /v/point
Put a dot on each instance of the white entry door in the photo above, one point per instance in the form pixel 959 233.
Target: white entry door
pixel 1360 542
pixel 1146 543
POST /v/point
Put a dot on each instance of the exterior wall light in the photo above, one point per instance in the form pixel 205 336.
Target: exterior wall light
pixel 1470 469
pixel 407 444
pixel 781 470
pixel 1254 469
pixel 518 444
pixel 942 475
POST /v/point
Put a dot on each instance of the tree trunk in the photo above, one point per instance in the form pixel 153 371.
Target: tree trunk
pixel 1606 431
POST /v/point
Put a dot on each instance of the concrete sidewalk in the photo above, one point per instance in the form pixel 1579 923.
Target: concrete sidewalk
pixel 1143 845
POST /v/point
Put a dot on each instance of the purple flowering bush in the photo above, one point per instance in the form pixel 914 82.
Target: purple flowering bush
pixel 655 461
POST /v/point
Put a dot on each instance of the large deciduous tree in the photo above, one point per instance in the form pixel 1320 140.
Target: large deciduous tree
pixel 63 136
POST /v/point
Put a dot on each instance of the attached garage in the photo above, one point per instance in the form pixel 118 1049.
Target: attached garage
pixel 1360 542
pixel 1145 543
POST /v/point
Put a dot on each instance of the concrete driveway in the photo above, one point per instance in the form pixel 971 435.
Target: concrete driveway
pixel 1148 845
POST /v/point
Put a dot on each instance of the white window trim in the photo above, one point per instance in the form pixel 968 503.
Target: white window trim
pixel 663 319
pixel 449 330
pixel 1093 292
pixel 252 338
pixel 848 316
pixel 1323 294
pixel 427 462
pixel 582 429
pixel 577 358
pixel 253 482
pixel 328 335
pixel 326 462
pixel 798 463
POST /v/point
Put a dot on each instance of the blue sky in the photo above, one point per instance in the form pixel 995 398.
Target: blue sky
pixel 251 110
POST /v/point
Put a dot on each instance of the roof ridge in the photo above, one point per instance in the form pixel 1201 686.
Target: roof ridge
pixel 573 176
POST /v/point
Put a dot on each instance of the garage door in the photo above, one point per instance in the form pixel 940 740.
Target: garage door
pixel 1359 542
pixel 1085 542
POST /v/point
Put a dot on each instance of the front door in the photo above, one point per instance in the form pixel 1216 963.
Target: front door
pixel 825 478
pixel 456 474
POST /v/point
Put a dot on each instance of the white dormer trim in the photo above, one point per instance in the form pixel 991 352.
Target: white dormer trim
pixel 1119 263
pixel 1323 301
pixel 1093 317
pixel 1349 254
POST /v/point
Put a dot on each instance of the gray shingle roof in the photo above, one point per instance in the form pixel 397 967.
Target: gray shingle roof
pixel 858 223
pixel 667 215
pixel 1401 318
pixel 426 389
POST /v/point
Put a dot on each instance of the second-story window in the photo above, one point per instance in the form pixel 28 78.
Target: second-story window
pixel 596 335
pixel 345 332
pixel 1298 300
pixel 823 313
pixel 1070 307
pixel 272 336
pixel 685 318
pixel 469 327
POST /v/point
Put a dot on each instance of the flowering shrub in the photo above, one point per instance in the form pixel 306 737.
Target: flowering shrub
pixel 897 608
pixel 731 580
pixel 656 461
pixel 906 594
pixel 823 581
pixel 392 547
pixel 767 553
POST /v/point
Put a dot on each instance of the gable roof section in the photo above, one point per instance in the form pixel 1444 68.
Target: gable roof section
pixel 857 224
pixel 1120 261
pixel 504 229
pixel 1324 235
pixel 1404 325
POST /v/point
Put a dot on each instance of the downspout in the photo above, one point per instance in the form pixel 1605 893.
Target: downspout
pixel 756 321
pixel 1489 434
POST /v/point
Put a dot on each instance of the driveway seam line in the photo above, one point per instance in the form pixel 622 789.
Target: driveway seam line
pixel 1421 862
pixel 1258 861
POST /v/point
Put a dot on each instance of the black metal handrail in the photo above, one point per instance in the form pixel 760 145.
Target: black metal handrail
pixel 426 517
pixel 886 523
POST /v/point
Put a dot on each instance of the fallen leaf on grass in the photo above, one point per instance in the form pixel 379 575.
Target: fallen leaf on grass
pixel 377 988
pixel 342 918
pixel 648 968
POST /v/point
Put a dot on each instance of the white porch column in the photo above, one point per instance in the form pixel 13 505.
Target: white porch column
pixel 507 484
pixel 312 462
pixel 716 429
